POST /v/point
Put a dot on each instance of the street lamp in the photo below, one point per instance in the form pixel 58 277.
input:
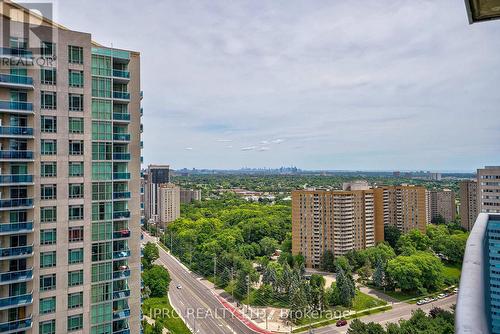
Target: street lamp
pixel 482 10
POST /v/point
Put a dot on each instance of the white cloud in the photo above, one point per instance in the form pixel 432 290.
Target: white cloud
pixel 188 148
pixel 248 148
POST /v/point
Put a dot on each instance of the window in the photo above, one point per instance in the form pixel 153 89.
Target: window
pixel 48 147
pixel 48 169
pixel 101 65
pixel 49 124
pixel 47 259
pixel 48 76
pixel 102 211
pixel 102 151
pixel 75 234
pixel 101 251
pixel 75 278
pixel 48 214
pixel 47 305
pixel 102 130
pixel 18 43
pixel 101 87
pixel 101 292
pixel 76 168
pixel 76 190
pixel 101 313
pixel 101 109
pixel 76 147
pixel 47 327
pixel 48 191
pixel 75 54
pixel 75 300
pixel 48 49
pixel 75 102
pixel 102 171
pixel 75 256
pixel 75 78
pixel 102 231
pixel 101 272
pixel 75 125
pixel 47 282
pixel 48 236
pixel 75 322
pixel 48 100
pixel 102 191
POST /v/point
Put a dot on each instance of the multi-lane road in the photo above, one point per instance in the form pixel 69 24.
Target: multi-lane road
pixel 199 308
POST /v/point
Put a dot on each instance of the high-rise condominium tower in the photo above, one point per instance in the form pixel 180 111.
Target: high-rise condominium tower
pixel 154 177
pixel 69 180
pixel 468 203
pixel 442 204
pixel 169 203
pixel 488 180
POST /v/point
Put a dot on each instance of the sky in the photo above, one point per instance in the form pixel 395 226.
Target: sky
pixel 356 85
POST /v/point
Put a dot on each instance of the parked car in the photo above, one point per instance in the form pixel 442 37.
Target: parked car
pixel 441 296
pixel 341 323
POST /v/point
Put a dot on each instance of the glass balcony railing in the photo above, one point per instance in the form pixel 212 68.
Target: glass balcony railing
pixel 13 52
pixel 121 74
pixel 16 130
pixel 121 116
pixel 121 156
pixel 121 314
pixel 16 251
pixel 16 301
pixel 15 326
pixel 15 203
pixel 9 228
pixel 16 276
pixel 121 234
pixel 121 214
pixel 122 331
pixel 121 195
pixel 16 106
pixel 16 178
pixel 121 274
pixel 16 79
pixel 121 136
pixel 121 95
pixel 121 294
pixel 121 176
pixel 16 155
pixel 121 254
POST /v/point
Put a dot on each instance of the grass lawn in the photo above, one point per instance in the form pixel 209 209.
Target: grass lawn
pixel 170 319
pixel 452 272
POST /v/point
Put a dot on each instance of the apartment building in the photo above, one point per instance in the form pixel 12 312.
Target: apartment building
pixel 352 218
pixel 69 180
pixel 442 204
pixel 488 181
pixel 169 203
pixel 190 195
pixel 468 203
pixel 155 176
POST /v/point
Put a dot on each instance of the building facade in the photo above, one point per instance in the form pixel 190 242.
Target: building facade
pixel 468 203
pixel 488 182
pixel 69 178
pixel 190 195
pixel 442 204
pixel 154 177
pixel 169 203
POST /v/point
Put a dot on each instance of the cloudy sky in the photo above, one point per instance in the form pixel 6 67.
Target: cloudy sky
pixel 371 85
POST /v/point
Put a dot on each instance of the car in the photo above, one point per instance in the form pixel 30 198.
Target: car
pixel 455 290
pixel 341 323
pixel 179 287
pixel 441 296
pixel 420 302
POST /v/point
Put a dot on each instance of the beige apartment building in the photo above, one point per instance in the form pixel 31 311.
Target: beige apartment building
pixel 488 182
pixel 442 204
pixel 70 256
pixel 190 195
pixel 154 176
pixel 468 203
pixel 169 203
pixel 352 218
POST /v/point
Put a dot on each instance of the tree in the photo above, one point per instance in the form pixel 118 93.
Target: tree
pixel 413 241
pixel 268 246
pixel 341 263
pixel 345 288
pixel 151 254
pixel 379 274
pixel 391 235
pixel 328 261
pixel 157 328
pixel 157 280
pixel 439 220
pixel 358 327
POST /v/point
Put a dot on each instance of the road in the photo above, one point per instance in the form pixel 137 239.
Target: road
pixel 198 306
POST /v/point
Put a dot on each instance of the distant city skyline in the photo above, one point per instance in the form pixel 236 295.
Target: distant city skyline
pixel 321 85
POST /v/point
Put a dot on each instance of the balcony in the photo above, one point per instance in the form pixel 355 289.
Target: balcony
pixel 121 214
pixel 16 179
pixel 121 156
pixel 16 252
pixel 121 314
pixel 121 234
pixel 16 81
pixel 16 276
pixel 121 176
pixel 121 96
pixel 15 326
pixel 121 136
pixel 117 116
pixel 16 106
pixel 122 331
pixel 16 228
pixel 121 294
pixel 121 195
pixel 16 155
pixel 16 53
pixel 121 75
pixel 16 301
pixel 16 203
pixel 15 131
pixel 121 254
pixel 121 274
